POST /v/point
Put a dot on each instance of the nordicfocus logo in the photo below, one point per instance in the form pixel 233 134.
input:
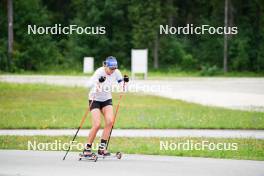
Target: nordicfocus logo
pixel 203 145
pixel 58 29
pixel 132 87
pixel 198 30
pixel 57 145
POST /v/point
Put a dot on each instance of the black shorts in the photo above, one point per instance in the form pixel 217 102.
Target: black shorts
pixel 99 104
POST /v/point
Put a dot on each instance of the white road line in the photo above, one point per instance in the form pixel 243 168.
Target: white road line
pixel 258 134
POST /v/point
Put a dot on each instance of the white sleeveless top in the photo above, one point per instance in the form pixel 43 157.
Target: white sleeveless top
pixel 104 92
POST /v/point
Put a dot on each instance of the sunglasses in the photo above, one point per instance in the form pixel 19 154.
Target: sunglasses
pixel 112 69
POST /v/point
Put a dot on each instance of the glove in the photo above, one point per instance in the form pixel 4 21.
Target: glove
pixel 126 78
pixel 102 79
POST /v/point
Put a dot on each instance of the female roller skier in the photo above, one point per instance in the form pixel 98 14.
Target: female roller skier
pixel 100 101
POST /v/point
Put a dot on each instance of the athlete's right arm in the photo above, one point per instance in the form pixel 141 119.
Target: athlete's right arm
pixel 94 79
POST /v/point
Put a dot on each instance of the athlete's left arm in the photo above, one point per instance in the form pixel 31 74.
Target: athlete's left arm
pixel 119 77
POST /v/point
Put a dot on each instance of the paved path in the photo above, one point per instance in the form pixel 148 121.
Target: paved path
pixel 258 134
pixel 234 93
pixel 33 163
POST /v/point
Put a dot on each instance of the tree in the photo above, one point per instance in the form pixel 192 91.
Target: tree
pixel 132 24
pixel 33 52
pixel 226 37
pixel 10 33
pixel 117 41
pixel 145 18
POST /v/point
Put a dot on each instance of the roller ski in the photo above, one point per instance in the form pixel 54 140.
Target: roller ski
pixel 88 155
pixel 92 157
pixel 117 155
pixel 103 153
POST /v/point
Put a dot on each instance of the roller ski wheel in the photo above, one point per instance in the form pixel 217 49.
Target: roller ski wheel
pixel 118 155
pixel 108 155
pixel 92 157
pixel 102 154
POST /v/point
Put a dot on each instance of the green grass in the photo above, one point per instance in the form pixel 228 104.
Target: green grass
pixel 31 106
pixel 152 74
pixel 163 75
pixel 250 149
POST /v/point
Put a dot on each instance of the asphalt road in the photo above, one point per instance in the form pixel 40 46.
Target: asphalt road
pixel 234 93
pixel 35 163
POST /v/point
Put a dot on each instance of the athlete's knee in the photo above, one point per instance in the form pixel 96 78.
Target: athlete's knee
pixel 96 126
pixel 110 122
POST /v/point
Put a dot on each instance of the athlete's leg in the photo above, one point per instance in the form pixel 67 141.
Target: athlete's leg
pixel 109 119
pixel 95 127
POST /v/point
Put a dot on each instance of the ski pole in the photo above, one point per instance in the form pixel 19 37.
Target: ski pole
pixel 102 79
pixel 117 108
pixel 81 124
